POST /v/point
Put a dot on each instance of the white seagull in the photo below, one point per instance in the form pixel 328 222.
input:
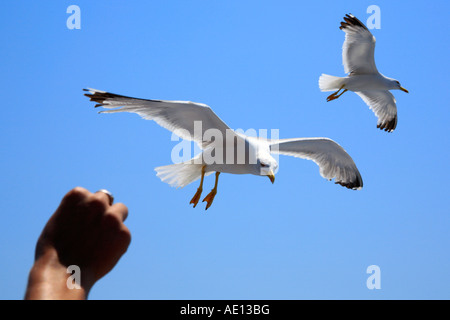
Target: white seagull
pixel 183 118
pixel 364 78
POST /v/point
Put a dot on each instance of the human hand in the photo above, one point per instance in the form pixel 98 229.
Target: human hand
pixel 86 231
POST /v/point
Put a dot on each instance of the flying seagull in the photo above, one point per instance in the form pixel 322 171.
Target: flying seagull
pixel 183 118
pixel 364 78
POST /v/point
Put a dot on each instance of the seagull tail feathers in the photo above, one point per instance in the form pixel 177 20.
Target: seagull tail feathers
pixel 180 175
pixel 330 83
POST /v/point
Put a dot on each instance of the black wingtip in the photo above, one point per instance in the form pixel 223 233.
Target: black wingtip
pixel 351 20
pixel 388 126
pixel 355 185
pixel 100 96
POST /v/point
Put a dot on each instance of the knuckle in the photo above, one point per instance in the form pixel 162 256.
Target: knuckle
pixel 77 194
pixel 97 203
pixel 111 221
pixel 121 209
pixel 124 235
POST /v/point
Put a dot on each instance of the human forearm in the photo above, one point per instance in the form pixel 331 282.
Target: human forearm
pixel 48 281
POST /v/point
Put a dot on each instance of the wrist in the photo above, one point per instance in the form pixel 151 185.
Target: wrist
pixel 50 280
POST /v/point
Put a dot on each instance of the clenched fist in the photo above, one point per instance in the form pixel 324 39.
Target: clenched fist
pixel 87 231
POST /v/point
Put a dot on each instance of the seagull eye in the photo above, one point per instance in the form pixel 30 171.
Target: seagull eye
pixel 264 165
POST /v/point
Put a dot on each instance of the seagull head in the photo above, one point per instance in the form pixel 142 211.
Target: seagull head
pixel 397 86
pixel 267 166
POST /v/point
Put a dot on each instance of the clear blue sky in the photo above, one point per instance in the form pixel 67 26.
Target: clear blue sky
pixel 257 64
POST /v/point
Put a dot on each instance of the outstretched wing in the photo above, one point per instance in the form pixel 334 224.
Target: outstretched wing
pixel 189 120
pixel 359 47
pixel 383 105
pixel 332 159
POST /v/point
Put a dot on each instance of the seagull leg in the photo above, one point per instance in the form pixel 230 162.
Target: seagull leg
pixel 341 94
pixel 210 197
pixel 335 95
pixel 197 195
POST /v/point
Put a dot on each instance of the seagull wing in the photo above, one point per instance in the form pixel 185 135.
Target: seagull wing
pixel 176 116
pixel 359 47
pixel 332 159
pixel 382 102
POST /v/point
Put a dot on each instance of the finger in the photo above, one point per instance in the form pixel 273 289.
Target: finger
pixel 120 211
pixel 75 195
pixel 107 194
pixel 124 238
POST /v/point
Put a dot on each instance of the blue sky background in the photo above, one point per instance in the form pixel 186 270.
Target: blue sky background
pixel 257 64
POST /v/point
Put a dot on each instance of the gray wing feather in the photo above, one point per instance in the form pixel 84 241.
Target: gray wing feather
pixel 383 105
pixel 333 161
pixel 359 47
pixel 176 116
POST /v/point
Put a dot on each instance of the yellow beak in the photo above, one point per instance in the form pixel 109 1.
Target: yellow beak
pixel 404 90
pixel 271 176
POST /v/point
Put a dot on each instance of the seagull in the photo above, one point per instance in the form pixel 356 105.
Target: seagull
pixel 364 78
pixel 192 121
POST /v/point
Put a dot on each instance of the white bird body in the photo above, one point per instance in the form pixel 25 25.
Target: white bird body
pixel 363 79
pixel 234 153
pixel 255 148
pixel 361 82
pixel 358 82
